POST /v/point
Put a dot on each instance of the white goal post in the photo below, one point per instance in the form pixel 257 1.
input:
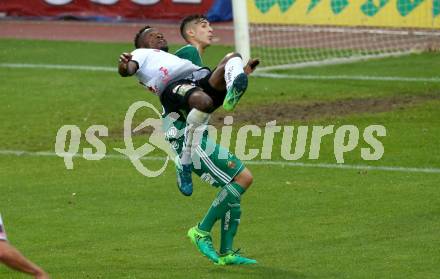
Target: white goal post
pixel 300 33
pixel 241 28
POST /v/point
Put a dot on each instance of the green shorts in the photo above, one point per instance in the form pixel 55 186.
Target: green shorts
pixel 213 163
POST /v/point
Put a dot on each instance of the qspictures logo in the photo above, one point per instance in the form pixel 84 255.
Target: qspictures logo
pixel 166 136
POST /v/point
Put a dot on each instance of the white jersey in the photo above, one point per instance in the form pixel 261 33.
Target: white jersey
pixel 158 68
pixel 2 230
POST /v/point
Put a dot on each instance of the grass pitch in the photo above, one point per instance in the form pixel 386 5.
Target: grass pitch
pixel 104 220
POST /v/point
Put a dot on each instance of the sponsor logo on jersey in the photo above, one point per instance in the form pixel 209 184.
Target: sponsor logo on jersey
pixel 165 75
pixel 172 133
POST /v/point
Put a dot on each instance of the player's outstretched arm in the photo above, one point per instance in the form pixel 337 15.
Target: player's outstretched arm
pixel 14 259
pixel 126 66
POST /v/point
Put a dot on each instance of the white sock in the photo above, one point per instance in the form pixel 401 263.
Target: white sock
pixel 195 124
pixel 233 68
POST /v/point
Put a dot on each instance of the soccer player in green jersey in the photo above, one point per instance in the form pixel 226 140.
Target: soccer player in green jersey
pixel 198 33
pixel 221 168
pixel 196 30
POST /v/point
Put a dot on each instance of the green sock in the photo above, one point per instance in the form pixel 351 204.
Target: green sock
pixel 229 227
pixel 228 195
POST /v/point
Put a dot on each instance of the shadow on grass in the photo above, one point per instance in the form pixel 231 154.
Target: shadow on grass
pixel 256 271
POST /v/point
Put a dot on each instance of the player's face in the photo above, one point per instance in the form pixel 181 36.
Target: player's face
pixel 155 39
pixel 203 32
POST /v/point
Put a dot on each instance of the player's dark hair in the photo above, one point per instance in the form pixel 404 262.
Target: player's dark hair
pixel 187 20
pixel 138 37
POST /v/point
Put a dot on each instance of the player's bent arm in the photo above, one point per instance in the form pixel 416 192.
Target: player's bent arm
pixel 127 69
pixel 14 259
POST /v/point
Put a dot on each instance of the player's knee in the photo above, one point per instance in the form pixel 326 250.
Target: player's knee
pixel 249 179
pixel 232 55
pixel 201 101
pixel 244 178
pixel 227 58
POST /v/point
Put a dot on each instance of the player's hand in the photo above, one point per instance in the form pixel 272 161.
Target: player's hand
pixel 125 68
pixel 125 57
pixel 42 275
pixel 251 66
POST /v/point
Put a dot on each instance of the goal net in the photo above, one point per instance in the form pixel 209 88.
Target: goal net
pixel 298 33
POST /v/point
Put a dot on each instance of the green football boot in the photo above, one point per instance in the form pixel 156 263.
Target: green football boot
pixel 234 258
pixel 203 241
pixel 234 93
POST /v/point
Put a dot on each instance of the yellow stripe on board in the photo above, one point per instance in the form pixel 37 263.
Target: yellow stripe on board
pixel 380 13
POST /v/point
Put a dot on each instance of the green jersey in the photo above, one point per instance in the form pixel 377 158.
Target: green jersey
pixel 189 52
pixel 220 166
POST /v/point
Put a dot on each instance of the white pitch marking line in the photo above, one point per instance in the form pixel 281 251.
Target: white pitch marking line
pixel 262 163
pixel 347 77
pixel 258 74
pixel 60 67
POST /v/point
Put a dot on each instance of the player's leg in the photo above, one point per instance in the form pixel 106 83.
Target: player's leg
pixel 218 174
pixel 231 220
pixel 244 178
pixel 200 105
pixel 229 226
pixel 186 97
pixel 229 75
pixel 220 168
pixel 173 130
pixel 225 170
pixel 200 235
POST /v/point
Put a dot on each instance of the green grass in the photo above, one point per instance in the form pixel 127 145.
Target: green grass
pixel 297 222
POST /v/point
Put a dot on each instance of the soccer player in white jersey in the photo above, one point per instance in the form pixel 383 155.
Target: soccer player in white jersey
pixel 14 259
pixel 158 70
pixel 194 98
